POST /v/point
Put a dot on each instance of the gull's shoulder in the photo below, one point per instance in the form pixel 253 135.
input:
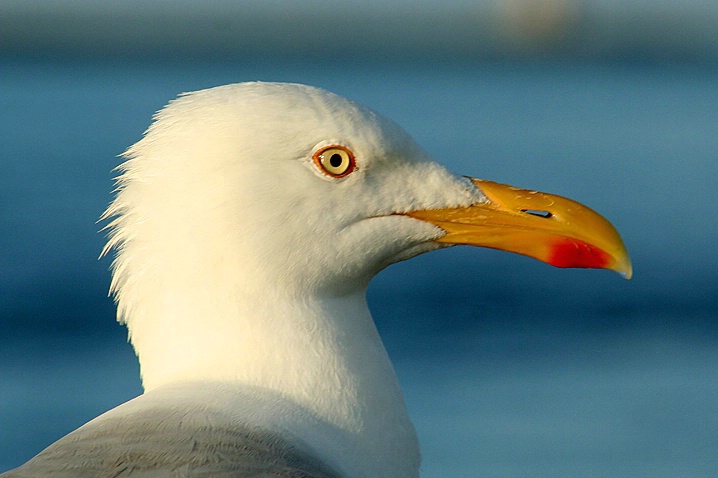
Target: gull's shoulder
pixel 190 435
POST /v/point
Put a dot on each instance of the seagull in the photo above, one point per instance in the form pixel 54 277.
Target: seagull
pixel 246 226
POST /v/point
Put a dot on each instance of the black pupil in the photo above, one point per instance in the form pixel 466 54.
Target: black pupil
pixel 336 160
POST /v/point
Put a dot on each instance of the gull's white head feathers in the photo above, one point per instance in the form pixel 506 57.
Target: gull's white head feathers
pixel 227 174
pixel 222 196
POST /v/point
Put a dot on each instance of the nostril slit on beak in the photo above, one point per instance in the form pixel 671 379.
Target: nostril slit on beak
pixel 538 213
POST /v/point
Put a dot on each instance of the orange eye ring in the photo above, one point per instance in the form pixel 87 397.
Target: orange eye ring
pixel 335 161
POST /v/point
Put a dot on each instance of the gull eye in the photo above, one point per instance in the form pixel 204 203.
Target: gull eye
pixel 336 161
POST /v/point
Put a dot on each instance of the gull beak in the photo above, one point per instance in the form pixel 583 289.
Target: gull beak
pixel 552 229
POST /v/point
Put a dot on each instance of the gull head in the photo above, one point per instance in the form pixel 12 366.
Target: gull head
pixel 245 196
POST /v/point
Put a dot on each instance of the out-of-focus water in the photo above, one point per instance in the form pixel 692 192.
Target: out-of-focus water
pixel 510 367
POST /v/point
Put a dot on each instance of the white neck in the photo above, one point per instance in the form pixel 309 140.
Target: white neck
pixel 323 353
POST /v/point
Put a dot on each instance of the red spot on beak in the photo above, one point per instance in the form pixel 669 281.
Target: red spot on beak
pixel 574 253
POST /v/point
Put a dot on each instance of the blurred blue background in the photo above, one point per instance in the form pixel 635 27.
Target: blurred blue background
pixel 510 367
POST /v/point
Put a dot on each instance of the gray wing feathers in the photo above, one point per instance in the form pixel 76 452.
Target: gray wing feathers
pixel 174 444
